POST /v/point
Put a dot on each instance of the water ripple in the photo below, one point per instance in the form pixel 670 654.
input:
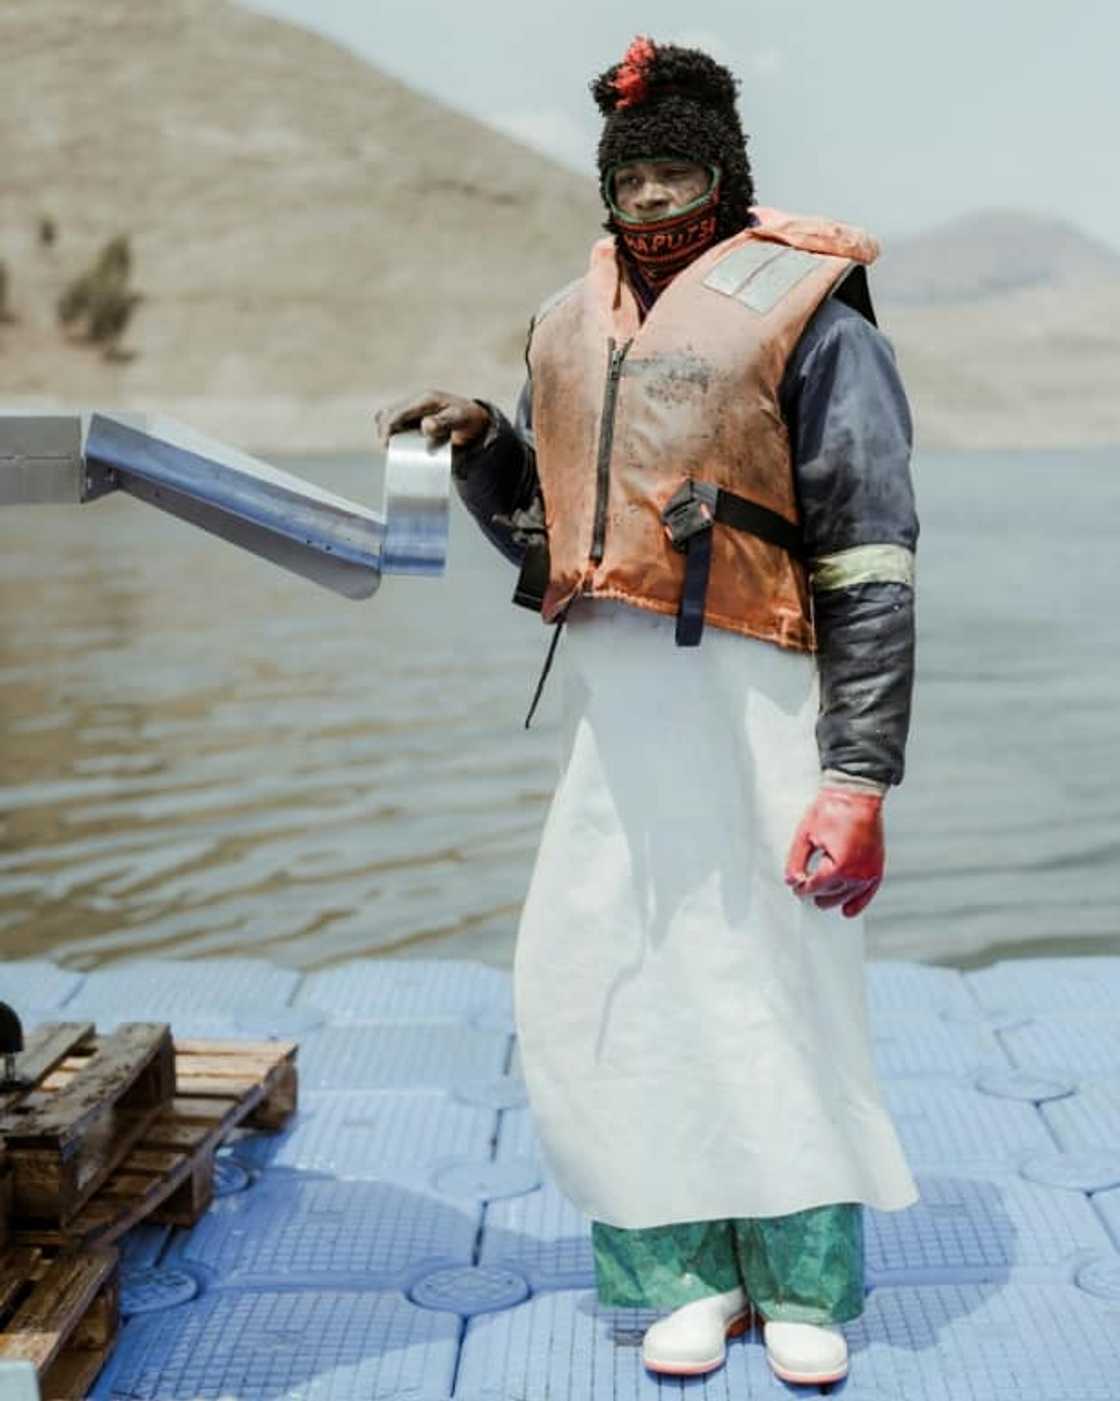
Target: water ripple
pixel 205 756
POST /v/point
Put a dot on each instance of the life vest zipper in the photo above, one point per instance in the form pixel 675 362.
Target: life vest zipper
pixel 606 442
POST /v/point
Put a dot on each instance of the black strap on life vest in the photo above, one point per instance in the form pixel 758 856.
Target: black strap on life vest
pixel 532 581
pixel 688 518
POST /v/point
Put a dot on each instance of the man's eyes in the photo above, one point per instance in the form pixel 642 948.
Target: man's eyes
pixel 669 172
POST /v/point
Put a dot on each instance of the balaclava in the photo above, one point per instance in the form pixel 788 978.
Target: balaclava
pixel 662 100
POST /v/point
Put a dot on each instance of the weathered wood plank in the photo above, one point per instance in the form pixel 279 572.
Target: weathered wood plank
pixel 264 1053
pixel 149 1159
pixel 54 1310
pixel 191 1198
pixel 47 1236
pixel 129 1186
pixel 279 1101
pixel 205 1110
pixel 211 1068
pixel 134 1067
pixel 199 1085
pixel 43 1048
pixel 63 1145
pixel 267 1050
pixel 71 1376
pixel 169 1136
pixel 62 1074
pixel 168 1174
pixel 17 1266
pixel 52 1188
pixel 111 1212
pixel 101 1321
pixel 5 1199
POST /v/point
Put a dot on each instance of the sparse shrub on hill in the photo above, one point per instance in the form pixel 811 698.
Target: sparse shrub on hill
pixel 48 230
pixel 100 302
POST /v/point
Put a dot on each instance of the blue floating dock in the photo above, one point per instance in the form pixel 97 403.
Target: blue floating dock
pixel 372 1235
pixel 212 988
pixel 395 1135
pixel 401 1238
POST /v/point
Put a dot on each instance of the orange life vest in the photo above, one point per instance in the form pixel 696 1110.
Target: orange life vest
pixel 626 412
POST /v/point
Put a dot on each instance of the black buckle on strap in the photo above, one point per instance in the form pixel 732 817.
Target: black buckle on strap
pixel 690 510
pixel 688 517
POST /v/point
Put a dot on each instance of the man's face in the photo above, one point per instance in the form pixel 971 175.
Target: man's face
pixel 655 189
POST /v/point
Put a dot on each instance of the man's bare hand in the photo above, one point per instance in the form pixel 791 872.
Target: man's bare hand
pixel 438 415
pixel 847 829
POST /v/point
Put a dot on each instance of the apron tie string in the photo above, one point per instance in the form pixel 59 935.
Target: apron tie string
pixel 558 628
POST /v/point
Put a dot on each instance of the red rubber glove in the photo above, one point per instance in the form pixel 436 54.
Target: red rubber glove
pixel 848 829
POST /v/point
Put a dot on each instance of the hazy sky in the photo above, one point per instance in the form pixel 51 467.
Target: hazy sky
pixel 895 113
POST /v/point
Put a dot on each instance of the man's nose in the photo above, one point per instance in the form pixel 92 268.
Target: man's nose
pixel 653 195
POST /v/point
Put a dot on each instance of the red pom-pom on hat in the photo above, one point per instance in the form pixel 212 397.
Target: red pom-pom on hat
pixel 630 82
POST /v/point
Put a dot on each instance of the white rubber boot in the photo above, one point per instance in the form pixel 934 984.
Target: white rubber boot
pixel 691 1340
pixel 805 1352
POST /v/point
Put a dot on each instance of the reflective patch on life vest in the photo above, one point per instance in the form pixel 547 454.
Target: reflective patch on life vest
pixel 770 284
pixel 759 274
pixel 734 268
pixel 863 564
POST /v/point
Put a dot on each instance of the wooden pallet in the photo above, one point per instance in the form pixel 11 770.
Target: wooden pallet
pixel 5 1199
pixel 65 1136
pixel 168 1174
pixel 61 1315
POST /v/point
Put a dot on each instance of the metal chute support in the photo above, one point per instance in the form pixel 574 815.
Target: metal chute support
pixel 417 492
pixel 291 522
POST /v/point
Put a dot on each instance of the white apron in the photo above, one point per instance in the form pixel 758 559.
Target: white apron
pixel 695 1039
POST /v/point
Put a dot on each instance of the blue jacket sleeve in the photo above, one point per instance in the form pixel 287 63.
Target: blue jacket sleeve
pixel 497 480
pixel 851 435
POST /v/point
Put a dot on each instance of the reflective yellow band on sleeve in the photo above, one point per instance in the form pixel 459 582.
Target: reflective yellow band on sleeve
pixel 863 564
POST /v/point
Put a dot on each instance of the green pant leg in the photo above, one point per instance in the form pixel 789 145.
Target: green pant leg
pixel 806 1267
pixel 664 1267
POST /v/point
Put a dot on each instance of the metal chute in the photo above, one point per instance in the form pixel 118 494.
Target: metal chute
pixel 291 522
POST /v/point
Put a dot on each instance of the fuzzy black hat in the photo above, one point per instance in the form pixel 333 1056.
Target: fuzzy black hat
pixel 662 100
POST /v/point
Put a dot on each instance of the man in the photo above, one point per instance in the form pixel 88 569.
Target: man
pixel 707 482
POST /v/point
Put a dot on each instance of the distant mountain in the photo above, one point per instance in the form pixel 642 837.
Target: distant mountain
pixel 988 254
pixel 311 238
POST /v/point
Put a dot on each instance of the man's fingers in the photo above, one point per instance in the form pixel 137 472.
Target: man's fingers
pixel 829 902
pixel 407 413
pixel 859 903
pixel 431 426
pixel 394 420
pixel 400 416
pixel 843 835
pixel 825 880
pixel 801 848
pixel 438 415
pixel 438 427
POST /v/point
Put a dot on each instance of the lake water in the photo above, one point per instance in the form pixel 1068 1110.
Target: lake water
pixel 201 755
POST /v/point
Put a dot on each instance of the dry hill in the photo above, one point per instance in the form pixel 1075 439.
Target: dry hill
pixel 311 237
pixel 308 234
